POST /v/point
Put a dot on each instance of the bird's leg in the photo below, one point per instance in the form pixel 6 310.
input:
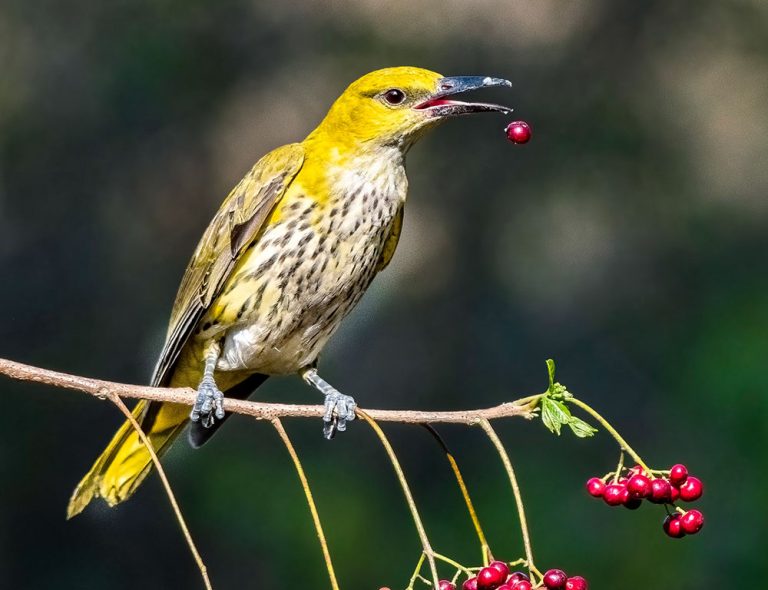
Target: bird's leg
pixel 210 400
pixel 339 408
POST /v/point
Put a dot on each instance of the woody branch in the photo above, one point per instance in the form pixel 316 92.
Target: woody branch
pixel 259 410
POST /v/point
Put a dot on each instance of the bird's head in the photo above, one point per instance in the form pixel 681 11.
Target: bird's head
pixel 394 106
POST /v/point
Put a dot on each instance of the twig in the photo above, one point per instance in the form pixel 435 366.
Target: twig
pixel 308 493
pixel 427 548
pixel 260 411
pixel 114 398
pixel 486 426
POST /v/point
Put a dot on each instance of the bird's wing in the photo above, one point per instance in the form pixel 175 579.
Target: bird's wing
pixel 238 223
pixel 390 245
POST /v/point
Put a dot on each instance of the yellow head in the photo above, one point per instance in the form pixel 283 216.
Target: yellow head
pixel 394 106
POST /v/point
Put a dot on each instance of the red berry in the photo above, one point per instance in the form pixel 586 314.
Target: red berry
pixel 446 585
pixel 516 577
pixel 505 587
pixel 615 494
pixel 596 487
pixel 678 474
pixel 636 470
pixel 692 521
pixel 661 491
pixel 639 486
pixel 576 583
pixel 675 494
pixel 490 578
pixel 518 132
pixel 522 585
pixel 502 567
pixel 633 503
pixel 691 490
pixel 673 526
pixel 470 584
pixel 555 579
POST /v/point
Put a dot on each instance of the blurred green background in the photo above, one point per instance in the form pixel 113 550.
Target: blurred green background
pixel 628 241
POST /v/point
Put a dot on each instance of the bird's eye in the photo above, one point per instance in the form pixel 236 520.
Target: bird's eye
pixel 394 96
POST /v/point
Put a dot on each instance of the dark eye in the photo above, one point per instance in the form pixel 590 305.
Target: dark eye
pixel 394 96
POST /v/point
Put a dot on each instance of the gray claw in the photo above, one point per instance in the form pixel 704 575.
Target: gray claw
pixel 339 409
pixel 209 403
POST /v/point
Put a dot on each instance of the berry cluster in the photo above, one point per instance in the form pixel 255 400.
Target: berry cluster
pixel 497 576
pixel 665 487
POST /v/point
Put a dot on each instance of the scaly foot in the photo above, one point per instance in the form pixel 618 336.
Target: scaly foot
pixel 339 409
pixel 209 403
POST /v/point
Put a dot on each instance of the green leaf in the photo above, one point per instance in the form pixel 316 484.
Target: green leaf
pixel 581 428
pixel 551 371
pixel 554 414
pixel 563 413
pixel 546 417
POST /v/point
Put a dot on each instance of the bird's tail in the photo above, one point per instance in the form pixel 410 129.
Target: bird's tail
pixel 125 462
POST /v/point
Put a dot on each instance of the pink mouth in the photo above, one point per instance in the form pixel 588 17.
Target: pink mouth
pixel 437 102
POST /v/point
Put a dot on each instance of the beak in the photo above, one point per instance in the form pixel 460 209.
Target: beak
pixel 438 106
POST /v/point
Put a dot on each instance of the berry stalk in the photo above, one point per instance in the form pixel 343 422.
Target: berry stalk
pixel 486 426
pixel 427 547
pixel 613 432
pixel 310 500
pixel 485 547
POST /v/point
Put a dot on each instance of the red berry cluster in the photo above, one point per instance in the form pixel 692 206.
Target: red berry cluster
pixel 497 576
pixel 630 491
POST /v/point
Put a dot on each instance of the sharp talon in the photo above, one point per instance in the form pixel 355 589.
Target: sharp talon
pixel 329 429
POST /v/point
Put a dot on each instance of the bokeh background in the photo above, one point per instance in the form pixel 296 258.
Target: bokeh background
pixel 628 241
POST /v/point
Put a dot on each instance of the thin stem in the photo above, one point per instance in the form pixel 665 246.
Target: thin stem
pixel 485 547
pixel 416 572
pixel 619 439
pixel 427 548
pixel 310 500
pixel 453 562
pixel 486 426
pixel 166 484
pixel 619 467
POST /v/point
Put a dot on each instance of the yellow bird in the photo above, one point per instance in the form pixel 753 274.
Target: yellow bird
pixel 288 255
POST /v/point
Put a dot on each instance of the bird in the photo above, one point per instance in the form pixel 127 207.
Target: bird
pixel 288 255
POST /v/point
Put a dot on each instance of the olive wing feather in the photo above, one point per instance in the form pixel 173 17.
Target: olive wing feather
pixel 236 225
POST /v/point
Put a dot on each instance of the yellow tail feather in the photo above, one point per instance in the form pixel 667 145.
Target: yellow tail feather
pixel 126 462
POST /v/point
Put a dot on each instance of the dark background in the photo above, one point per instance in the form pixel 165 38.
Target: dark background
pixel 627 241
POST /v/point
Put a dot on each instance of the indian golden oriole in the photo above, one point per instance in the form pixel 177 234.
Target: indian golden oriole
pixel 290 252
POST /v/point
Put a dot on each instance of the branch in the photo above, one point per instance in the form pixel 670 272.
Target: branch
pixel 260 411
